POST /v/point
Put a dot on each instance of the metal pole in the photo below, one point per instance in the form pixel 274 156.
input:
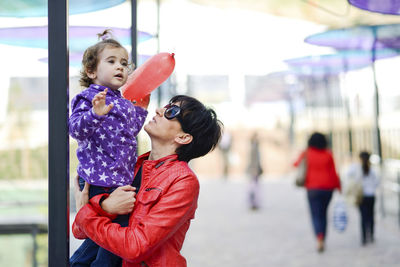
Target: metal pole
pixel 378 143
pixel 347 109
pixel 35 246
pixel 58 133
pixel 159 93
pixel 330 107
pixel 398 194
pixel 134 31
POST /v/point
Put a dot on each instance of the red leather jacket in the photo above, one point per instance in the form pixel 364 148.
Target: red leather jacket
pixel 165 204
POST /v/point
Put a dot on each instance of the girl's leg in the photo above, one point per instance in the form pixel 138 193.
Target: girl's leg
pixel 363 217
pixel 370 201
pixel 84 255
pixel 106 258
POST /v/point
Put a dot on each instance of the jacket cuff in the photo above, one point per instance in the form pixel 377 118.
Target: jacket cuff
pixel 95 116
pixel 96 201
pixel 77 231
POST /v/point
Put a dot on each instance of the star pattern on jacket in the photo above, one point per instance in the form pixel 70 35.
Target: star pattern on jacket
pixel 106 144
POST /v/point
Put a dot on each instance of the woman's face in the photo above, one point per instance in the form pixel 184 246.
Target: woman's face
pixel 163 129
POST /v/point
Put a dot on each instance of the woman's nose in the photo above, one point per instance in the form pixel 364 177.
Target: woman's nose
pixel 160 111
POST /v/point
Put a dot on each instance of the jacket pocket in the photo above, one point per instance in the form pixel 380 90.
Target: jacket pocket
pixel 147 199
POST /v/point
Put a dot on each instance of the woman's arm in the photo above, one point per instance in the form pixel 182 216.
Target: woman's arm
pixel 121 201
pixel 137 241
pixel 299 159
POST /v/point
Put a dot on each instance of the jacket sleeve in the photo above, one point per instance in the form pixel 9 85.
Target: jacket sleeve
pixel 137 241
pixel 141 115
pixel 299 159
pixel 83 121
pixel 95 201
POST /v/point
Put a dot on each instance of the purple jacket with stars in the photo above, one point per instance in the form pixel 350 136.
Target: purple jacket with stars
pixel 106 144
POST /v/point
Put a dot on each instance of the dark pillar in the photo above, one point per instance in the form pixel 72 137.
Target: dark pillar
pixel 58 134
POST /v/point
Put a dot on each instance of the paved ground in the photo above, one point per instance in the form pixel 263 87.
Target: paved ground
pixel 227 233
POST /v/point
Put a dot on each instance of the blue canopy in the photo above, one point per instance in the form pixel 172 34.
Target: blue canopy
pixel 365 37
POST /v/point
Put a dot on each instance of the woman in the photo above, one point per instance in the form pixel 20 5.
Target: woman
pixel 167 190
pixel 321 180
pixel 369 181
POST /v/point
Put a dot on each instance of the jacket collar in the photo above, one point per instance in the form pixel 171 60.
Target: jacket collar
pixel 157 163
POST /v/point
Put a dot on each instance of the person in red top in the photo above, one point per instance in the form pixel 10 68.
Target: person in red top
pixel 321 180
pixel 166 199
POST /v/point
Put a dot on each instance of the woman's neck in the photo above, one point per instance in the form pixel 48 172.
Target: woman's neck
pixel 160 150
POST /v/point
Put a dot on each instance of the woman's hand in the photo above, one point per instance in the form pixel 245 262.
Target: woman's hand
pixel 81 197
pixel 121 201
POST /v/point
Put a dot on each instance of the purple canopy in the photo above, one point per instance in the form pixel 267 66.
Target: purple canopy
pixel 336 63
pixel 391 7
pixel 80 37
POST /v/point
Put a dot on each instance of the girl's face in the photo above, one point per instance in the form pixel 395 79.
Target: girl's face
pixel 112 68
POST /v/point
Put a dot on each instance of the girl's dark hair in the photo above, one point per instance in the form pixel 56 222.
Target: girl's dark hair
pixel 199 121
pixel 91 56
pixel 318 140
pixel 364 157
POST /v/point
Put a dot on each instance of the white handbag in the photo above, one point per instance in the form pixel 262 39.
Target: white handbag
pixel 340 215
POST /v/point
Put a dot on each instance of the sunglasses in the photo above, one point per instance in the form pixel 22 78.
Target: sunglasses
pixel 171 111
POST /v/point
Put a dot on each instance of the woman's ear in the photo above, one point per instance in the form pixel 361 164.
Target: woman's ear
pixel 184 138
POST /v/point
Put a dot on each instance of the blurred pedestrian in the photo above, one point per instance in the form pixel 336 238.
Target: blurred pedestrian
pixel 254 170
pixel 225 147
pixel 321 179
pixel 368 179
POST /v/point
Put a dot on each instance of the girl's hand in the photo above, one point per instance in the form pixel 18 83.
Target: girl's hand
pixel 120 201
pixel 99 103
pixel 81 197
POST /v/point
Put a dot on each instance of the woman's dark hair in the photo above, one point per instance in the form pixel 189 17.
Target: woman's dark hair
pixel 91 56
pixel 318 140
pixel 364 157
pixel 200 122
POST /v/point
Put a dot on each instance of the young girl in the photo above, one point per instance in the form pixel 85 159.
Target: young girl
pixel 369 180
pixel 105 126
